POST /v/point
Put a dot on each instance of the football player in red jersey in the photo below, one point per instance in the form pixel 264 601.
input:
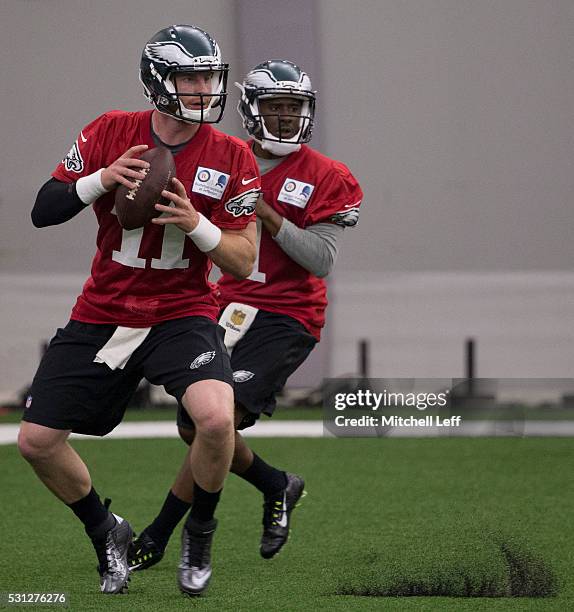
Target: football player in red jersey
pixel 147 309
pixel 274 317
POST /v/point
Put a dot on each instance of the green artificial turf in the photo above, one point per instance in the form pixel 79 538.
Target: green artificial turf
pixel 468 516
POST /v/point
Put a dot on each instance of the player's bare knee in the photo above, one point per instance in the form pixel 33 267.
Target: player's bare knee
pixel 34 448
pixel 210 406
pixel 216 424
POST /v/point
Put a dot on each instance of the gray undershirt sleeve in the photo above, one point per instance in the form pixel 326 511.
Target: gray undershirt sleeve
pixel 314 248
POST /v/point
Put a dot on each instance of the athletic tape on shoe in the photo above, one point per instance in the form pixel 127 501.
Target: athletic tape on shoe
pixel 119 348
pixel 236 320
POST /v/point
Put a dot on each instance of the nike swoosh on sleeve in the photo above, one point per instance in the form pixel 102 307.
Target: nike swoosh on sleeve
pixel 244 182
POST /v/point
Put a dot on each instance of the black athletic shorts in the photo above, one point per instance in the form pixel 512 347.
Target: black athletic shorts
pixel 70 391
pixel 272 349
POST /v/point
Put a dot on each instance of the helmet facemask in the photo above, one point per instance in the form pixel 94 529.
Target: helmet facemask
pixel 278 144
pixel 209 101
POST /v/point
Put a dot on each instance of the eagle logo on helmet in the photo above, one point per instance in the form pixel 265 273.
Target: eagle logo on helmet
pixel 172 53
pixel 169 53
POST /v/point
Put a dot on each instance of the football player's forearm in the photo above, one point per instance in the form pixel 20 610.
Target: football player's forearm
pixel 56 203
pixel 313 248
pixel 234 255
pixel 271 220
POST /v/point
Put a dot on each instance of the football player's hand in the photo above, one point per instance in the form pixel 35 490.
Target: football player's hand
pixel 271 219
pixel 182 212
pixel 262 209
pixel 127 168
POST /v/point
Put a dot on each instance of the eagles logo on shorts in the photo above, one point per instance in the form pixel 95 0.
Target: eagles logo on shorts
pixel 202 359
pixel 240 376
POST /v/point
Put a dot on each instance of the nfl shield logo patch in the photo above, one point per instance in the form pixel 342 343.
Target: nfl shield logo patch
pixel 237 317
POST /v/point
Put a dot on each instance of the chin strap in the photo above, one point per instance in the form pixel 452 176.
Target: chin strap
pixel 279 148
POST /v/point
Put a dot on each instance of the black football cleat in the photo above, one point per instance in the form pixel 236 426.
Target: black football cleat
pixel 144 553
pixel 276 515
pixel 194 572
pixel 112 551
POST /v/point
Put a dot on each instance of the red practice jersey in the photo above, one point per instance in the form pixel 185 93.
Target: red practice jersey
pixel 152 274
pixel 306 188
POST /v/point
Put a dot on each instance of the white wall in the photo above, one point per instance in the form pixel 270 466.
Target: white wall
pixel 417 324
pixel 457 117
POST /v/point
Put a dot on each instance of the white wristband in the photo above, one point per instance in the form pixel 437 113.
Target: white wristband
pixel 205 235
pixel 90 188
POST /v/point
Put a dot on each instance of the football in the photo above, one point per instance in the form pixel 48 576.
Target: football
pixel 136 207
